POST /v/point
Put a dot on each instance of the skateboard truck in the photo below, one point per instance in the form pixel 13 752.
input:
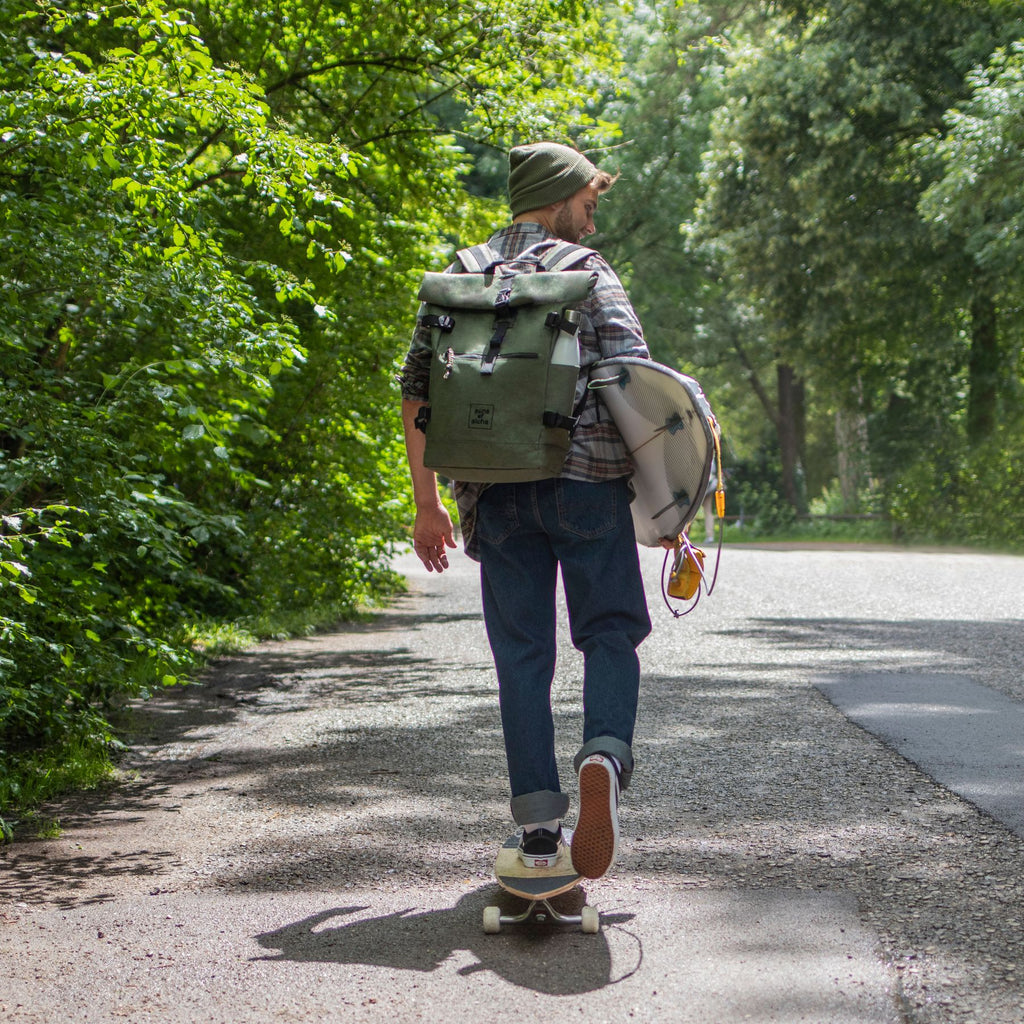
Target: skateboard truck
pixel 588 918
pixel 538 886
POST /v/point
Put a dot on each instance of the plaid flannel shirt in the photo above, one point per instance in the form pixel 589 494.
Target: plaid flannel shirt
pixel 609 327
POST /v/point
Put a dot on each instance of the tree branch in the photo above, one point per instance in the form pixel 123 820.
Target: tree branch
pixel 755 382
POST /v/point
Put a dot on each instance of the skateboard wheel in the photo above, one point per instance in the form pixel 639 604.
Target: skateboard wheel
pixel 492 920
pixel 590 921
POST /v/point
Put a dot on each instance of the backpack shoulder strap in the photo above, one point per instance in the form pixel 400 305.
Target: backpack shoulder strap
pixel 551 254
pixel 479 259
pixel 557 255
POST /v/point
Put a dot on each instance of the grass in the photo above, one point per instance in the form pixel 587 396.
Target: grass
pixel 46 828
pixel 822 529
pixel 213 639
pixel 818 528
pixel 29 779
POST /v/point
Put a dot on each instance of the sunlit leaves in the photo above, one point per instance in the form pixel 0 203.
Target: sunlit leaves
pixel 981 158
pixel 212 221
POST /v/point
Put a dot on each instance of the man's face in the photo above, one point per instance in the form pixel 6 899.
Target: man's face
pixel 574 217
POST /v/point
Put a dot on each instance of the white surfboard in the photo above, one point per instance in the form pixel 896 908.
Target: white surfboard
pixel 670 432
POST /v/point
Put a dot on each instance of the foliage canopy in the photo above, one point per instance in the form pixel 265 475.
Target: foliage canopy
pixel 212 217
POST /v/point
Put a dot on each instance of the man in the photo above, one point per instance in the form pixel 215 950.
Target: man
pixel 523 532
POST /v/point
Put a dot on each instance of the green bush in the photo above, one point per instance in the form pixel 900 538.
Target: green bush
pixel 205 292
pixel 963 495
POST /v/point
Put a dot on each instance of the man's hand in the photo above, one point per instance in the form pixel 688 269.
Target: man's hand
pixel 432 530
pixel 431 534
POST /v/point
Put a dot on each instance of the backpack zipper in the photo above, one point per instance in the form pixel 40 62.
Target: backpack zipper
pixel 451 356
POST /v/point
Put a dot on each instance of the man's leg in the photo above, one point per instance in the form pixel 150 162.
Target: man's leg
pixel 518 574
pixel 608 616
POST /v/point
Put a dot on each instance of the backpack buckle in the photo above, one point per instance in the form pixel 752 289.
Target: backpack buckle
pixel 568 321
pixel 503 320
pixel 445 323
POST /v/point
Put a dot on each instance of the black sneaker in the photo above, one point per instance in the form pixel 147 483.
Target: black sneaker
pixel 540 848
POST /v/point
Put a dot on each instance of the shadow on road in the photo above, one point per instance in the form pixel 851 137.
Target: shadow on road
pixel 421 941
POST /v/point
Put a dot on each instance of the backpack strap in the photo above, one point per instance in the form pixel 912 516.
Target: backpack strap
pixel 558 255
pixel 551 255
pixel 479 259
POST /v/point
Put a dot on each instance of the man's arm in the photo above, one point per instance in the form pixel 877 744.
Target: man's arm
pixel 432 530
pixel 612 316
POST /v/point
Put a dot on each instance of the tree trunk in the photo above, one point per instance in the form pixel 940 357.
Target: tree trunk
pixel 789 414
pixel 852 450
pixel 791 433
pixel 983 366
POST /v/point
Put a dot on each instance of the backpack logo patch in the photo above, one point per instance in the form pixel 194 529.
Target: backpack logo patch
pixel 481 417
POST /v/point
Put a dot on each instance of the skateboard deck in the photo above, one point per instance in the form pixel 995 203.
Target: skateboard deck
pixel 537 886
pixel 534 883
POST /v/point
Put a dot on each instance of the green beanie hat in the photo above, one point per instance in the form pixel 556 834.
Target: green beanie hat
pixel 545 173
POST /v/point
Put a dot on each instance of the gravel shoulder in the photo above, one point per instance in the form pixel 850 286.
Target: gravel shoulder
pixel 309 832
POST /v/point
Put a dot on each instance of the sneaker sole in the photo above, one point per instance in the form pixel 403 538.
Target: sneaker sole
pixel 595 840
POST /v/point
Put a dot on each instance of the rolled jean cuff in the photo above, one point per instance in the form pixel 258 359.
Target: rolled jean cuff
pixel 544 805
pixel 612 747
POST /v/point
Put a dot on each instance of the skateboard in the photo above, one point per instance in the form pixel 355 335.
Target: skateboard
pixel 537 886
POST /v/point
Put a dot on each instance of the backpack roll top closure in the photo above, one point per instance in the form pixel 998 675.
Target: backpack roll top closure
pixel 482 291
pixel 446 296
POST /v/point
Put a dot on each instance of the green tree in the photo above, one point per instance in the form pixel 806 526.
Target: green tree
pixel 408 90
pixel 677 58
pixel 974 204
pixel 977 204
pixel 136 351
pixel 212 223
pixel 813 188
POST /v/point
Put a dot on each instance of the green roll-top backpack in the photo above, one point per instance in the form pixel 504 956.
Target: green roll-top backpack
pixel 505 362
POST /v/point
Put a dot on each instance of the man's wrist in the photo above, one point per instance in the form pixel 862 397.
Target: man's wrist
pixel 428 502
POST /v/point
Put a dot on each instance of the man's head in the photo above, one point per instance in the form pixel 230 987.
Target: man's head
pixel 556 186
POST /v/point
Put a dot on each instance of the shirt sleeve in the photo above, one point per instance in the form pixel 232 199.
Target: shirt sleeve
pixel 610 326
pixel 415 375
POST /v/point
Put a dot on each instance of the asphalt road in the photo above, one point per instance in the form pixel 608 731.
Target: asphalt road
pixel 307 836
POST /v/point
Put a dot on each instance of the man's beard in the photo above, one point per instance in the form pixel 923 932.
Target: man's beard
pixel 564 226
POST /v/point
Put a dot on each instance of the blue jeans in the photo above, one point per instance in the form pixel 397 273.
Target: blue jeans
pixel 526 531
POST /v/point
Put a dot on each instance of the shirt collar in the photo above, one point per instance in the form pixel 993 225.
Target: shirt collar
pixel 517 237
